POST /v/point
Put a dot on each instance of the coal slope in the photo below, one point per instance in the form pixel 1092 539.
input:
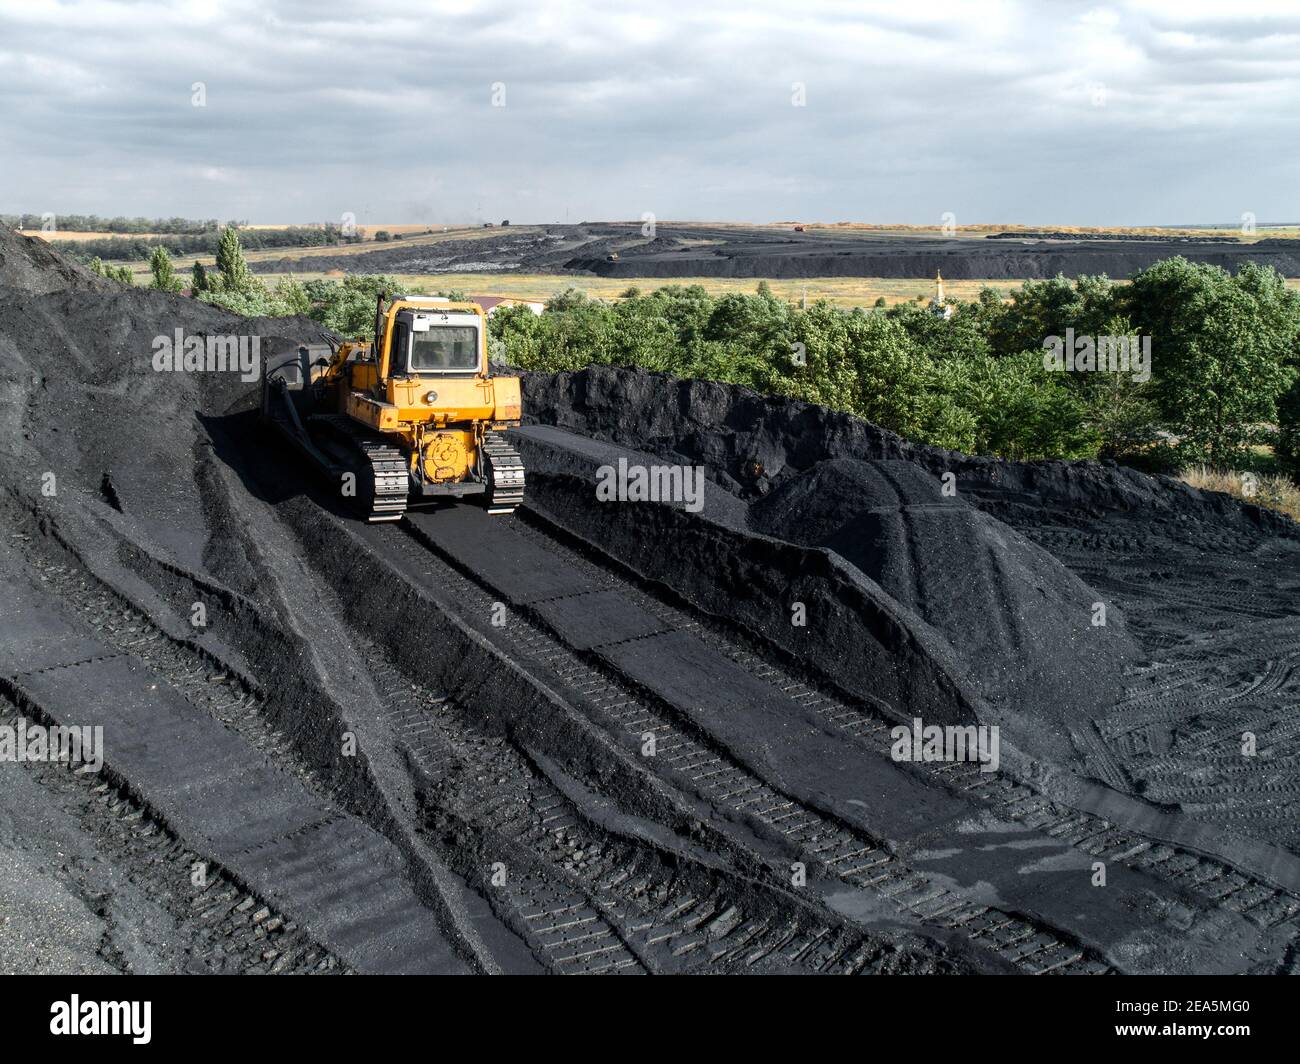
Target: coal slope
pixel 1130 635
pixel 681 251
pixel 588 738
pixel 290 782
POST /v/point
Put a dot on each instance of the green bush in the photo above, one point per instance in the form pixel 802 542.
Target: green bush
pixel 1223 371
pixel 164 275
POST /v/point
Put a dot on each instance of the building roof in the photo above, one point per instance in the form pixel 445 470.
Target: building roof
pixel 490 303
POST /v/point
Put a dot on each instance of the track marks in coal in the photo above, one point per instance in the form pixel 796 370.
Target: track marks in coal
pixel 704 772
pixel 1214 882
pixel 1222 626
pixel 587 897
pixel 216 924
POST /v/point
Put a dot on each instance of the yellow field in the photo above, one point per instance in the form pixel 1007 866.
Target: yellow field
pixel 844 292
pixel 84 234
pixel 367 231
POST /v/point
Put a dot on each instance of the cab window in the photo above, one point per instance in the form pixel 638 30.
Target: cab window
pixel 397 356
pixel 445 348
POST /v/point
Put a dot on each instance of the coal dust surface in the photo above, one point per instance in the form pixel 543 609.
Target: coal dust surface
pixel 614 733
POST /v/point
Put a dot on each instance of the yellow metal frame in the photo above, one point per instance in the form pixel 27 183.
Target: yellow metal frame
pixel 429 413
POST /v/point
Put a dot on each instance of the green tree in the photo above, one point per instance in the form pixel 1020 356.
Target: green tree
pixel 254 303
pixel 1023 411
pixel 1039 309
pixel 164 276
pixel 348 306
pixel 236 277
pixel 1288 437
pixel 1222 350
pixel 292 296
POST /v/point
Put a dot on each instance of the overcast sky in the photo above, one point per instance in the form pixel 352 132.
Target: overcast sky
pixel 1167 111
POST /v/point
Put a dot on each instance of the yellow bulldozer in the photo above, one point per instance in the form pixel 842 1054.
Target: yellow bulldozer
pixel 415 415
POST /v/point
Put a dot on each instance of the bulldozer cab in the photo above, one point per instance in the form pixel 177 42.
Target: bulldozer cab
pixel 435 340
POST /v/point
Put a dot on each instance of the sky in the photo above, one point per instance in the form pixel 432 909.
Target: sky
pixel 914 111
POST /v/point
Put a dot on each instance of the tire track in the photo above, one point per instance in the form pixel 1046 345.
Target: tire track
pixel 706 772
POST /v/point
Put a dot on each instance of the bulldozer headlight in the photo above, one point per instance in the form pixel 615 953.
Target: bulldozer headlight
pixel 431 397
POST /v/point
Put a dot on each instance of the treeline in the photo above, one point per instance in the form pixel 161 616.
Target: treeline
pixel 121 249
pixel 1221 388
pixel 93 223
pixel 1208 370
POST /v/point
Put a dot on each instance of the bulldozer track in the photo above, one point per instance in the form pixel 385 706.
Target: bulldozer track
pixel 998 792
pixel 218 925
pixel 382 480
pixel 337 856
pixel 708 773
pixel 587 901
pixel 200 680
pixel 1224 664
pixel 581 898
pixel 504 474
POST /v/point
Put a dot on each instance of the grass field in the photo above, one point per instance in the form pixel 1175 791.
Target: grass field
pixel 368 230
pixel 55 235
pixel 844 292
pixel 1274 491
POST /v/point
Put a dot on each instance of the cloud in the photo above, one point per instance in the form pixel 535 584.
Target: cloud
pixel 1008 110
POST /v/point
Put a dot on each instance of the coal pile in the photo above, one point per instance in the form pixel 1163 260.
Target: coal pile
pixel 588 737
pixel 31 265
pixel 1011 620
pixel 1018 621
pixel 1008 570
pixel 682 250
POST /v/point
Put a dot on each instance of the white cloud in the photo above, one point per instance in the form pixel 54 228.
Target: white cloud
pixel 986 109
